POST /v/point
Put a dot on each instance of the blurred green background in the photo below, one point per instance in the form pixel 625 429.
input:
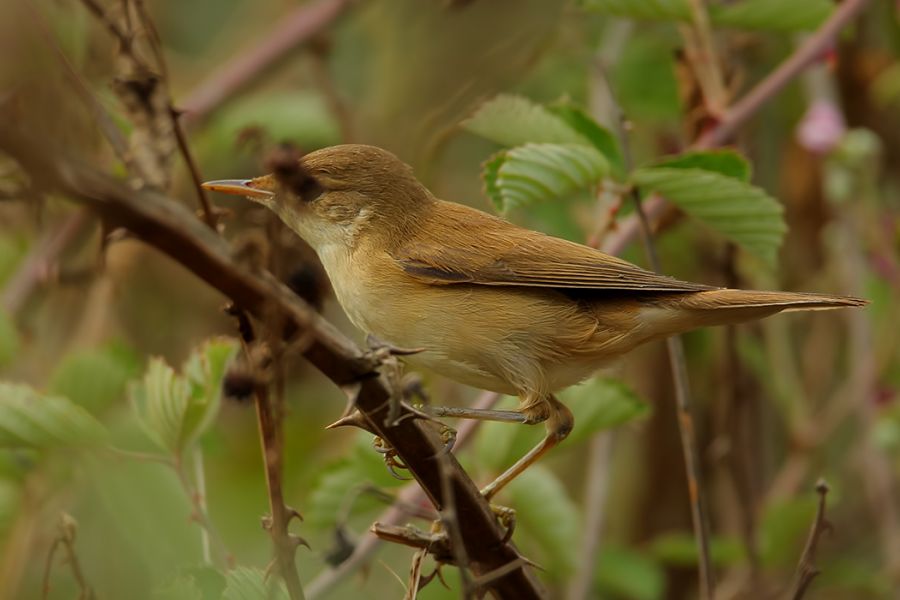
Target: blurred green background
pixel 779 403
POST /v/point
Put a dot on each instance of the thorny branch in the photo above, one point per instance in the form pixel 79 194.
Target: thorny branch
pixel 806 568
pixel 166 225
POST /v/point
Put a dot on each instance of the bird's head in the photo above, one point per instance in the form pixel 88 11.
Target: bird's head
pixel 339 194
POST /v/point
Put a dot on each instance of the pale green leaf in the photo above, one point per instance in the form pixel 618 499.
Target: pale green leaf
pixel 341 482
pixel 600 137
pixel 771 15
pixel 176 409
pixel 161 401
pixel 601 403
pixel 625 573
pixel 94 378
pixel 547 520
pixel 680 549
pixel 539 172
pixel 29 419
pixel 743 213
pixel 181 588
pixel 204 371
pixel 774 15
pixel 727 162
pixel 514 120
pixel 244 583
pixel 9 339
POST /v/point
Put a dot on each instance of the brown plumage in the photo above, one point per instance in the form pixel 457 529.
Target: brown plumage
pixel 494 305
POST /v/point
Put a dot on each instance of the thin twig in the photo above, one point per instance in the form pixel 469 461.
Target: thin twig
pixel 675 350
pixel 806 568
pixel 65 537
pixel 209 534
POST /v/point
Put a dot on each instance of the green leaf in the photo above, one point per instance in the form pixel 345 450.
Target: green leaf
pixel 774 15
pixel 204 371
pixel 161 401
pixel 547 519
pixel 244 583
pixel 10 502
pixel 625 573
pixel 340 481
pixel 601 138
pixel 181 588
pixel 680 549
pixel 32 420
pixel 294 115
pixel 175 410
pixel 9 339
pixel 601 403
pixel 95 378
pixel 771 15
pixel 513 120
pixel 743 213
pixel 726 162
pixel 538 172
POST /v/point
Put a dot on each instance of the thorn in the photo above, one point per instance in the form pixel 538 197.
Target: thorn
pixel 354 419
pixel 293 513
pixel 299 541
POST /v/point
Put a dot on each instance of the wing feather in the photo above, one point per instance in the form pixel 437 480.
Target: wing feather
pixel 464 245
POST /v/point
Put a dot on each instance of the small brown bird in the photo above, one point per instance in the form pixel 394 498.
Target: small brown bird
pixel 494 306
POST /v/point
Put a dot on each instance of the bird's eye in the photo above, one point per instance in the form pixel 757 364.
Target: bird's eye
pixel 309 189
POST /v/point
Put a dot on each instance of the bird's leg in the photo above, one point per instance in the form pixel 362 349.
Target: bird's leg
pixel 559 424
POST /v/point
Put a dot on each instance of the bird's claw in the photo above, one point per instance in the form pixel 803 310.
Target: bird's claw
pixel 507 518
pixel 391 459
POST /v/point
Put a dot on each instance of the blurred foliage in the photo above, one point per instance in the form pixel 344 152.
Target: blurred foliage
pixel 502 104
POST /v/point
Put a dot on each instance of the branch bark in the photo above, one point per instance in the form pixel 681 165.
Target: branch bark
pixel 168 226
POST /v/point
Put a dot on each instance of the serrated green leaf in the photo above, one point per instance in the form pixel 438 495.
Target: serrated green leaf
pixel 601 403
pixel 9 339
pixel 600 137
pixel 94 378
pixel 176 409
pixel 547 519
pixel 244 583
pixel 513 120
pixel 726 162
pixel 32 420
pixel 741 212
pixel 204 371
pixel 539 172
pixel 626 573
pixel 774 15
pixel 490 171
pixel 161 401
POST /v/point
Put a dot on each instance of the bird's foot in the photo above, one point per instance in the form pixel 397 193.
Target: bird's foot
pixel 507 518
pixel 391 459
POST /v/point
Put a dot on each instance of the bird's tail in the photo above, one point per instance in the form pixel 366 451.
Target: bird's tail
pixel 684 312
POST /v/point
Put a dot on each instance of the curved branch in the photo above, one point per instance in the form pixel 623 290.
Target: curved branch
pixel 168 226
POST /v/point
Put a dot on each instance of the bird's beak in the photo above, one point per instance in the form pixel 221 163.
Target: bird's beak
pixel 254 189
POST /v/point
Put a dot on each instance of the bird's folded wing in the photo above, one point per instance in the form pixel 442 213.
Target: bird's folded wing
pixel 475 248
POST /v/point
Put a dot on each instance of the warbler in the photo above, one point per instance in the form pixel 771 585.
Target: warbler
pixel 492 305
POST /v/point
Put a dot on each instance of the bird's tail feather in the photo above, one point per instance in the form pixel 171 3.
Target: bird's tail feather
pixel 728 306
